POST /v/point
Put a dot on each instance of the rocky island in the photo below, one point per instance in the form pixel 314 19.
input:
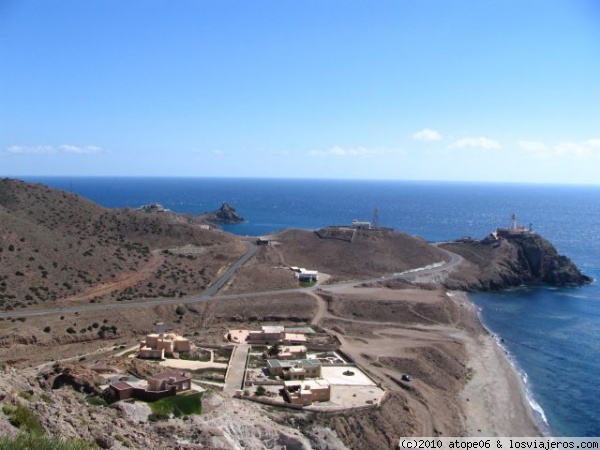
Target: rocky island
pixel 226 214
pixel 81 285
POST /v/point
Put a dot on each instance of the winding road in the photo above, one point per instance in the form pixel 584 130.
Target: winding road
pixel 210 293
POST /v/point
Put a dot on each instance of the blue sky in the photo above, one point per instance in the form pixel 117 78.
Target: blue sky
pixel 471 90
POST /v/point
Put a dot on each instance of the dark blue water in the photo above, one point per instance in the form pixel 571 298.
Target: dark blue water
pixel 553 334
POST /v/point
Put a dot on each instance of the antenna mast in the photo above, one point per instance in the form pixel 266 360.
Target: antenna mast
pixel 375 223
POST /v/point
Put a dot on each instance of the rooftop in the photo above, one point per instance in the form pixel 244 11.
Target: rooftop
pixel 177 374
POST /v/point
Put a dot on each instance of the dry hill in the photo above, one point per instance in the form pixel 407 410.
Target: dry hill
pixel 370 253
pixel 56 245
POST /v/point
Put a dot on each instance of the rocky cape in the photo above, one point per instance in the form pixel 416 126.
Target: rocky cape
pixel 500 263
pixel 226 214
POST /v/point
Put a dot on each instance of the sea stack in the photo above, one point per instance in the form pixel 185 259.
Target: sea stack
pixel 225 214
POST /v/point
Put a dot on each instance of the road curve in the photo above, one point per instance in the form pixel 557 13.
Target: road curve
pixel 209 294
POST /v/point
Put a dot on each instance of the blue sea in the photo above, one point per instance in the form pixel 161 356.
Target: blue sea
pixel 552 335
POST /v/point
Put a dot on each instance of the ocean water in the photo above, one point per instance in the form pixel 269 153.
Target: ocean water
pixel 552 335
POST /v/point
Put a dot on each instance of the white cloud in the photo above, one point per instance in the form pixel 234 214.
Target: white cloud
pixel 475 142
pixel 79 150
pixel 575 149
pixel 592 143
pixel 347 152
pixel 533 146
pixel 427 134
pixel 49 149
pixel 38 149
pixel 568 149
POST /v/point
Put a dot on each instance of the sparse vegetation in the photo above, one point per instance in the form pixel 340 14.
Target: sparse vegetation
pixel 260 391
pixel 29 441
pixel 183 404
pixel 26 395
pixel 21 417
pixel 96 401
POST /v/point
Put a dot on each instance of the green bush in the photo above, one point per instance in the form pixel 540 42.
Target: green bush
pixel 96 401
pixel 28 441
pixel 26 395
pixel 21 417
pixel 178 405
pixel 180 310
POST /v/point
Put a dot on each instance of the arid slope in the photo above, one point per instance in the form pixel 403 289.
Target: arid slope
pixel 55 245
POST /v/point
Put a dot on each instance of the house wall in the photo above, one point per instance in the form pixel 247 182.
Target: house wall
pixel 151 340
pixel 123 394
pixel 149 353
pixel 295 374
pixel 320 393
pixel 182 345
pixel 259 337
pixel 143 394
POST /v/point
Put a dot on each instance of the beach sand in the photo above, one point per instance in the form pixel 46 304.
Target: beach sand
pixel 494 398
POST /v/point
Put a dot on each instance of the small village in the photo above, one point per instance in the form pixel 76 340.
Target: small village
pixel 289 366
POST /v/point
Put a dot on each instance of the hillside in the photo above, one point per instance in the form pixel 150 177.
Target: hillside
pixel 371 253
pixel 56 245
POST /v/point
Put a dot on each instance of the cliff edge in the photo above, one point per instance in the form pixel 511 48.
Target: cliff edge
pixel 499 263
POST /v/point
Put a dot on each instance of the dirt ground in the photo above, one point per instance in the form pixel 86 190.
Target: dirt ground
pixel 434 337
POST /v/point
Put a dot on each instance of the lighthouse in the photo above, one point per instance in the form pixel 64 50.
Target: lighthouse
pixel 513 230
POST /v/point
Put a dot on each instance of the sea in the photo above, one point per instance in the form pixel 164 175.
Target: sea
pixel 552 335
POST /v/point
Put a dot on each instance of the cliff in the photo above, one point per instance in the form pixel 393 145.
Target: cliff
pixel 494 264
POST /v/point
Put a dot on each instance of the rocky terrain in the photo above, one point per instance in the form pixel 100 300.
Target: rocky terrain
pixel 59 250
pixel 57 246
pixel 507 262
pixel 226 214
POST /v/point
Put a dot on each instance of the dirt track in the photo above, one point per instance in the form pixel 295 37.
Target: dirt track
pixel 122 282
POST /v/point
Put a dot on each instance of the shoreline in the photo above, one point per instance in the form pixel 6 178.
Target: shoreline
pixel 496 401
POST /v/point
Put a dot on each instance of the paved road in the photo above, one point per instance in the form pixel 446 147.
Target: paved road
pixel 455 260
pixel 237 368
pixel 212 290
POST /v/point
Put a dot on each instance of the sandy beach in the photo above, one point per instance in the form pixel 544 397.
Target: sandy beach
pixel 494 398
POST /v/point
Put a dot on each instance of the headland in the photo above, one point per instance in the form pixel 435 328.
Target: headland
pixel 100 279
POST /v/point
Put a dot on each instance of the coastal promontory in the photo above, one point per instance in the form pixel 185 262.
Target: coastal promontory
pixel 81 286
pixel 501 262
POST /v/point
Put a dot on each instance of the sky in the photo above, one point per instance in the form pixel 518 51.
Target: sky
pixel 461 90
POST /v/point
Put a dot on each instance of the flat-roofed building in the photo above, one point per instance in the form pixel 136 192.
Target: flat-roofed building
pixel 307 275
pixel 157 345
pixel 122 390
pixel 289 352
pixel 305 393
pixel 166 380
pixel 297 370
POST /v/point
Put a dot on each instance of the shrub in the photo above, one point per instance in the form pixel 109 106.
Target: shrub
pixel 71 330
pixel 21 417
pixel 96 401
pixel 179 404
pixel 26 395
pixel 180 310
pixel 27 441
pixel 260 391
